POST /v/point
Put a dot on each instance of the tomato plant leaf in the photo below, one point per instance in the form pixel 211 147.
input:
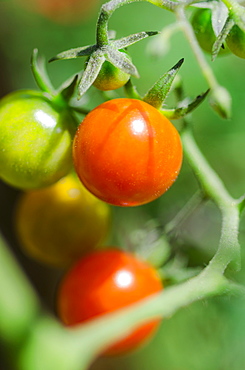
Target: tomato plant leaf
pixel 159 91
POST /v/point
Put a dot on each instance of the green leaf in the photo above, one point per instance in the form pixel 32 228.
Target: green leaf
pixel 91 72
pixel 40 73
pixel 121 61
pixel 132 39
pixel 158 93
pixel 74 53
pixel 184 110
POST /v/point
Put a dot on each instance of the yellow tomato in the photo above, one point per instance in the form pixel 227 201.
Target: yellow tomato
pixel 59 224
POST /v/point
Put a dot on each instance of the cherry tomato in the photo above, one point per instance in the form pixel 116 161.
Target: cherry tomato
pixel 110 77
pixel 236 41
pixel 202 26
pixel 60 223
pixel 62 11
pixel 35 140
pixel 126 152
pixel 103 282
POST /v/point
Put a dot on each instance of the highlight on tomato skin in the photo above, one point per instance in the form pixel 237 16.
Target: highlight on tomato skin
pixel 35 140
pixel 103 282
pixel 126 152
pixel 59 224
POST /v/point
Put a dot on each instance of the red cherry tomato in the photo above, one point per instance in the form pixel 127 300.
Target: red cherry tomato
pixel 103 282
pixel 126 152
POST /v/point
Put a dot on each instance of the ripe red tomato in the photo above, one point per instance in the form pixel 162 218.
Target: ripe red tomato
pixel 126 152
pixel 103 282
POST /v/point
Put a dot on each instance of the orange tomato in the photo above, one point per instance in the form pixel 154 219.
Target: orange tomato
pixel 126 152
pixel 103 282
pixel 58 224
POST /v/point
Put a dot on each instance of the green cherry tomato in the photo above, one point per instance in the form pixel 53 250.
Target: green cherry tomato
pixel 202 26
pixel 236 41
pixel 110 77
pixel 60 223
pixel 35 140
pixel 103 282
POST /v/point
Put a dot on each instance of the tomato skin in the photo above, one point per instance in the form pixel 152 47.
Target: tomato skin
pixel 202 26
pixel 126 152
pixel 110 77
pixel 35 140
pixel 103 282
pixel 60 223
pixel 236 41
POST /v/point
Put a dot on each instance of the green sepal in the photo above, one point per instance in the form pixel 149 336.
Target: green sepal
pixel 40 73
pixel 132 39
pixel 91 72
pixel 241 204
pixel 219 43
pixel 131 91
pixel 67 89
pixel 220 100
pixel 185 109
pixel 159 92
pixel 120 60
pixel 74 53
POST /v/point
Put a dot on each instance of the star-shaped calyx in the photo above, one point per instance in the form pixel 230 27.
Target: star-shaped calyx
pixel 107 49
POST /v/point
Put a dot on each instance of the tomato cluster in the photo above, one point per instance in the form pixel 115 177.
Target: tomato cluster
pixel 125 152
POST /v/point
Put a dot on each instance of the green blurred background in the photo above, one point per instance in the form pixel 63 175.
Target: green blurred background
pixel 207 335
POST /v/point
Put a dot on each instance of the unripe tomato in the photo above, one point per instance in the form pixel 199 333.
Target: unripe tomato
pixel 126 152
pixel 62 11
pixel 103 282
pixel 35 140
pixel 60 223
pixel 236 41
pixel 110 77
pixel 202 26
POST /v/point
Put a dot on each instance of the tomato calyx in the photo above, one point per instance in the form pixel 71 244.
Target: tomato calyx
pixel 158 93
pixel 99 53
pixel 59 98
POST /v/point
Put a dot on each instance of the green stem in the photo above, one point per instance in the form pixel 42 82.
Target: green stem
pixel 208 178
pixel 108 9
pixel 229 248
pixel 82 344
pixel 189 33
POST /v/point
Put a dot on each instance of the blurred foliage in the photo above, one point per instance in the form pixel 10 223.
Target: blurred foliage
pixel 206 335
